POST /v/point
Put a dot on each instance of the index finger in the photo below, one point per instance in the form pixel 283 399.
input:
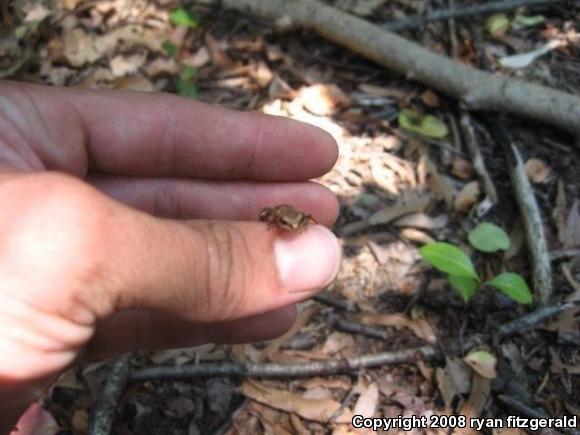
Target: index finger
pixel 132 133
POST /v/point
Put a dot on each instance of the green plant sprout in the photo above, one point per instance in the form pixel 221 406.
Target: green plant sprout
pixel 461 273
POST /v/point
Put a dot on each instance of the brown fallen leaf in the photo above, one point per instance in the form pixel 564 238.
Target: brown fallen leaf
pixel 122 65
pixel 80 48
pixel 441 185
pixel 383 91
pixel 160 66
pixel 559 212
pixel 417 236
pixel 537 171
pixel 461 168
pixel 483 363
pixel 475 404
pixel 573 226
pixel 422 221
pixel 198 59
pixel 323 99
pixel 453 380
pixel 320 410
pixel 262 74
pixel 430 98
pixel 384 177
pixel 368 400
pixel 467 197
pixel 387 142
pixel 409 202
pixel 217 53
pixel 337 342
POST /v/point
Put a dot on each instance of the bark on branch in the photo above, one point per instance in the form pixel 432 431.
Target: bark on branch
pixel 476 89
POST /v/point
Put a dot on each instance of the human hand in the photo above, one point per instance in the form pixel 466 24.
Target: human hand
pixel 125 224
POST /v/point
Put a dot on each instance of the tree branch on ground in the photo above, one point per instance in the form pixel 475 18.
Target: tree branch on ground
pixel 476 89
pixel 531 217
pixel 331 367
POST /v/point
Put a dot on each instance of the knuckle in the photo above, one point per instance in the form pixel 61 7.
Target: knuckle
pixel 228 270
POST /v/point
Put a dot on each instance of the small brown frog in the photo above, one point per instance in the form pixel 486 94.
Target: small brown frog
pixel 286 217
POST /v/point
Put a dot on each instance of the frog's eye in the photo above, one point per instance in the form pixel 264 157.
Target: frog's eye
pixel 265 214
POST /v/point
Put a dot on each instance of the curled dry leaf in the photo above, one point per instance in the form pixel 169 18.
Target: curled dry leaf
pixel 320 410
pixel 537 171
pixel 467 197
pixel 418 236
pixel 323 99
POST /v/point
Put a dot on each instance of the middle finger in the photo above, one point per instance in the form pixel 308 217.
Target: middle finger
pixel 208 199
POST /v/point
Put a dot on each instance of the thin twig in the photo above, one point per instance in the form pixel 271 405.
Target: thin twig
pixel 352 327
pixel 528 411
pixel 471 141
pixel 331 367
pixel 103 413
pixel 272 370
pixel 335 301
pixel 467 11
pixel 531 217
pixel 529 321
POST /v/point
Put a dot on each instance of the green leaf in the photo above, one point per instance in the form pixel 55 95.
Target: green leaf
pixel 465 286
pixel 449 258
pixel 512 285
pixel 522 21
pixel 21 31
pixel 497 24
pixel 187 89
pixel 169 48
pixel 187 73
pixel 183 17
pixel 426 125
pixel 487 237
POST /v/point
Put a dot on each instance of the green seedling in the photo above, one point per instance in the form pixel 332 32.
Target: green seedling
pixel 461 273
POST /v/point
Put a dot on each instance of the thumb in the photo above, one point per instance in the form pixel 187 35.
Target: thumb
pixel 217 270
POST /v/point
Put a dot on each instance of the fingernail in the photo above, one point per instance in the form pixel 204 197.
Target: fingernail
pixel 307 261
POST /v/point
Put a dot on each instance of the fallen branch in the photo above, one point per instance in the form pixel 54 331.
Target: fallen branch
pixel 531 217
pixel 467 11
pixel 331 367
pixel 103 413
pixel 272 370
pixel 476 89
